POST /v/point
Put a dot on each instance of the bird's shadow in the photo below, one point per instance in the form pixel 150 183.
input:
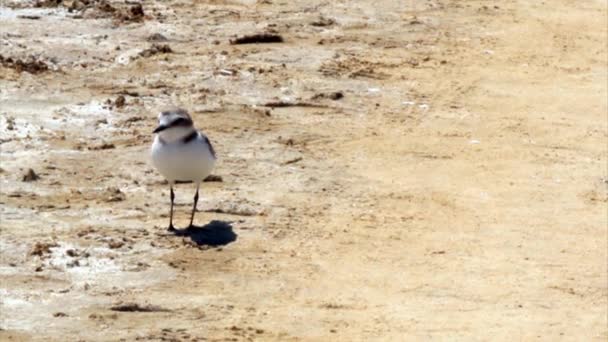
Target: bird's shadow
pixel 214 233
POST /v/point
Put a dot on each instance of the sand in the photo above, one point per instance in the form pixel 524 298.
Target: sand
pixel 390 170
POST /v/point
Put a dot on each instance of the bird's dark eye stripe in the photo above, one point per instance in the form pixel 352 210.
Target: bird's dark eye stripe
pixel 181 122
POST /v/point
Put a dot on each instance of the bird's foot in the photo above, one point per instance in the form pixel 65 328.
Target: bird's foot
pixel 171 228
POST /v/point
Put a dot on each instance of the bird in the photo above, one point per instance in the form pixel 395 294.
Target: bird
pixel 181 153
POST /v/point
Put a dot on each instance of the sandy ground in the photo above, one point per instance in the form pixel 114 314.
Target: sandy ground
pixel 435 170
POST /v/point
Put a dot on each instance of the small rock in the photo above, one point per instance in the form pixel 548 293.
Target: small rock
pixel 76 6
pixel 60 314
pixel 133 119
pixel 31 17
pixel 115 244
pixel 120 101
pixel 104 146
pixel 134 307
pixel 257 39
pixel 213 178
pixel 157 37
pixel 42 248
pixel 113 194
pixel 335 95
pixel 31 65
pixel 322 21
pixel 10 123
pixel 30 176
pixel 156 49
pixel 74 263
pixel 137 11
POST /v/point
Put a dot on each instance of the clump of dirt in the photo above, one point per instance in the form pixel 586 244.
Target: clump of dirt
pixel 105 9
pixel 75 5
pixel 103 146
pixel 113 244
pixel 323 22
pixel 130 121
pixel 155 50
pixel 134 307
pixel 30 176
pixel 213 178
pixel 98 9
pixel 157 37
pixel 10 123
pixel 29 17
pixel 113 194
pixel 48 3
pixel 334 95
pixel 31 65
pixel 120 101
pixel 42 248
pixel 286 142
pixel 257 39
pixel 72 253
pixel 134 13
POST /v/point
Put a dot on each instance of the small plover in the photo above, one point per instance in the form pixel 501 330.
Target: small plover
pixel 181 153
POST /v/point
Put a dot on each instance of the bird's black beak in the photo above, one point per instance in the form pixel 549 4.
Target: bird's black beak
pixel 160 128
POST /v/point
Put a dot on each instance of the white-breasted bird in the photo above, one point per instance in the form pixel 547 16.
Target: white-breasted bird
pixel 181 153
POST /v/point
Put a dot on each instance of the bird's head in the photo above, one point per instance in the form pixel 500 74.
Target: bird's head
pixel 174 124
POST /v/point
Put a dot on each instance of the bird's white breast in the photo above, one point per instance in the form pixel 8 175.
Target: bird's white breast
pixel 178 161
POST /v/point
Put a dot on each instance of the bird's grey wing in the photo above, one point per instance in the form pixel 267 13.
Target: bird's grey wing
pixel 208 142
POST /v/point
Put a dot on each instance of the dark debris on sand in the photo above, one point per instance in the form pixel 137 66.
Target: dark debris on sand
pixel 257 39
pixel 31 65
pixel 156 49
pixel 213 178
pixel 42 248
pixel 30 176
pixel 134 307
pixel 335 95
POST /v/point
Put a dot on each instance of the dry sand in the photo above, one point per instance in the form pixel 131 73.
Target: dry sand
pixel 392 170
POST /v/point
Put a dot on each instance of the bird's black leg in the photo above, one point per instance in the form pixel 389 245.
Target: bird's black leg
pixel 194 206
pixel 171 228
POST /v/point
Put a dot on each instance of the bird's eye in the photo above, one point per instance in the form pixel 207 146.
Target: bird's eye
pixel 179 121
